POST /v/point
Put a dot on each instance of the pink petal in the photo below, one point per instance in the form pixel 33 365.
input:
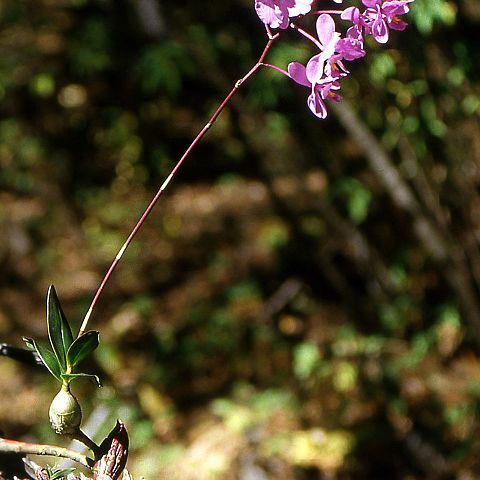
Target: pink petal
pixel 271 14
pixel 314 68
pixel 297 72
pixel 301 7
pixel 398 24
pixel 325 28
pixel 371 3
pixel 400 6
pixel 380 30
pixel 351 14
pixel 317 105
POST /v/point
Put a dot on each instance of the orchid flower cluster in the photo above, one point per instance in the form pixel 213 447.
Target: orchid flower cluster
pixel 323 72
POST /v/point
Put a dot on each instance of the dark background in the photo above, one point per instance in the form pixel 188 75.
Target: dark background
pixel 304 301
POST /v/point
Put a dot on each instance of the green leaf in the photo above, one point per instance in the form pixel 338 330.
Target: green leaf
pixel 82 347
pixel 306 359
pixel 55 474
pixel 47 356
pixel 59 330
pixel 72 376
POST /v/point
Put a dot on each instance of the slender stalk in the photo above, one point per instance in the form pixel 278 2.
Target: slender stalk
pixel 151 205
pixel 269 31
pixel 277 69
pixel 306 35
pixel 24 448
pixel 332 12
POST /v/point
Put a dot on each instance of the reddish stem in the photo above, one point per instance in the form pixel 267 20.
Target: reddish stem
pixel 277 69
pixel 146 213
pixel 307 35
pixel 333 12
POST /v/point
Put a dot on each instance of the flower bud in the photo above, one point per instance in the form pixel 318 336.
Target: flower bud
pixel 113 453
pixel 65 413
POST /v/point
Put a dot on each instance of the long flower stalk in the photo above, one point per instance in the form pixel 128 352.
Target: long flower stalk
pixel 176 168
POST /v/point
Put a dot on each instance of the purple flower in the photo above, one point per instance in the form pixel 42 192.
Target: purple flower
pixel 323 72
pixel 351 47
pixel 380 17
pixel 375 23
pixel 320 91
pixel 394 8
pixel 328 39
pixel 328 64
pixel 326 33
pixel 353 15
pixel 276 13
pixel 298 7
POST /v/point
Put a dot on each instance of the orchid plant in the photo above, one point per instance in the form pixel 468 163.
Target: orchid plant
pixel 323 72
pixel 339 39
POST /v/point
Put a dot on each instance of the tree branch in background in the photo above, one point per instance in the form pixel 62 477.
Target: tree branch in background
pixel 364 254
pixel 150 18
pixel 423 185
pixel 440 248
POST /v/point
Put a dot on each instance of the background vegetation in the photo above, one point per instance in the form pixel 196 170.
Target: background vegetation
pixel 304 303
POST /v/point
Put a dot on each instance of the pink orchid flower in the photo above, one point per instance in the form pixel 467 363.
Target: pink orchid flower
pixel 319 91
pixel 277 13
pixel 328 39
pixel 379 17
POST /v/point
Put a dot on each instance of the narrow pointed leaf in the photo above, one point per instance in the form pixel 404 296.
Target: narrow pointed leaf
pixel 82 347
pixel 59 330
pixel 72 376
pixel 63 473
pixel 47 357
